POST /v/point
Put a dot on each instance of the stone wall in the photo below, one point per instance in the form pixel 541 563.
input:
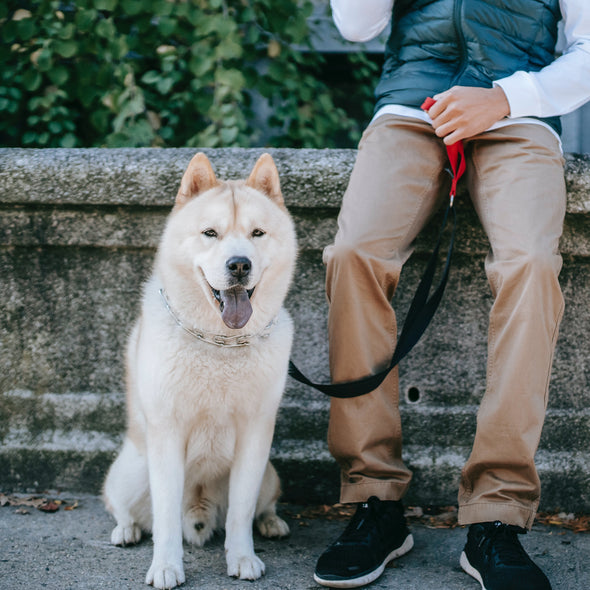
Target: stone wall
pixel 78 229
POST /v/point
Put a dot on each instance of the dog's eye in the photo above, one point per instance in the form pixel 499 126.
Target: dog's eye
pixel 258 233
pixel 210 233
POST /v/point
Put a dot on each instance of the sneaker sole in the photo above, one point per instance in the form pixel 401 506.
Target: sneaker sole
pixel 372 576
pixel 469 569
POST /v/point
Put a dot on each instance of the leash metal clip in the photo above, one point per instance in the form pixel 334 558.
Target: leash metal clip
pixel 455 153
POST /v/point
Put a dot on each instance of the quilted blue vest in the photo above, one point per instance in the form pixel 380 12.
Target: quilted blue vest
pixel 437 44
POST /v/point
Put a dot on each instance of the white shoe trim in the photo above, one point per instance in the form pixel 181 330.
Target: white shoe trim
pixel 468 568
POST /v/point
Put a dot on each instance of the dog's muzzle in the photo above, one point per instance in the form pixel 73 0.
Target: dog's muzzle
pixel 234 302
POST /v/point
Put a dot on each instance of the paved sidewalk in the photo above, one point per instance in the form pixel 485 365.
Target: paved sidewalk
pixel 70 550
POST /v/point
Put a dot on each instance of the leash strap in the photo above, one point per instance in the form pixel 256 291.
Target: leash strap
pixel 423 306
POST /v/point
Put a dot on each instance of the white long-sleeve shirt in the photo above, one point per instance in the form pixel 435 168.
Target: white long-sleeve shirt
pixel 557 89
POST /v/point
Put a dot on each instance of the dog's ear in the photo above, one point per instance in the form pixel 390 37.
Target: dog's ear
pixel 265 178
pixel 198 178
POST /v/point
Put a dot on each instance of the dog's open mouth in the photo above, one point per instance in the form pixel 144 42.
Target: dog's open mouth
pixel 234 305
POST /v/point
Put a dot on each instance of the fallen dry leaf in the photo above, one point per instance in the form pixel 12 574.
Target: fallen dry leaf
pixel 49 506
pixel 40 503
pixel 30 502
pixel 577 523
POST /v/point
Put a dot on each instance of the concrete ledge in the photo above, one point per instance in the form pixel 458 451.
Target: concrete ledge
pixel 78 230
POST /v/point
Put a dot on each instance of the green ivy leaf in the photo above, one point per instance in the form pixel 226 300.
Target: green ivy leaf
pixel 26 29
pixel 215 4
pixel 228 49
pixel 164 85
pixel 132 7
pixel 200 65
pixel 105 4
pixel 119 48
pixel 105 28
pixel 67 32
pixel 66 48
pixel 230 77
pixel 150 77
pixel 167 26
pixel 55 127
pixel 217 24
pixel 228 135
pixel 44 60
pixel 32 80
pixel 69 140
pixel 58 75
pixel 85 19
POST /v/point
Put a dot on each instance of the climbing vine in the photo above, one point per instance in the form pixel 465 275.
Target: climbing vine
pixel 207 73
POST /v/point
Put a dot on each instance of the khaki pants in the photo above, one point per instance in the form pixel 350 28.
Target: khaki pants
pixel 515 180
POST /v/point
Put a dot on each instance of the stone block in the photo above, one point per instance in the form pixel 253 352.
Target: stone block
pixel 78 231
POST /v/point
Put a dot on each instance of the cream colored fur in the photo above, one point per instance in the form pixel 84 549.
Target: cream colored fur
pixel 201 417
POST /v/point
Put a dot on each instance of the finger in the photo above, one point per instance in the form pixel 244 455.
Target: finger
pixel 443 130
pixel 454 137
pixel 443 99
pixel 436 109
pixel 444 120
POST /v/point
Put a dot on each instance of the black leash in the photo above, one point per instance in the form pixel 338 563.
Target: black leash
pixel 422 308
pixel 421 311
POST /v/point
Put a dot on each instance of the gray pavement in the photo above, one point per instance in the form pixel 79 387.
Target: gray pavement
pixel 69 549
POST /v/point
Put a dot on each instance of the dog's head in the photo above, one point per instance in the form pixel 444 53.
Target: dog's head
pixel 232 242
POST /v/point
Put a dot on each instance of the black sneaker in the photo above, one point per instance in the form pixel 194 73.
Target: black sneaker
pixel 494 556
pixel 376 534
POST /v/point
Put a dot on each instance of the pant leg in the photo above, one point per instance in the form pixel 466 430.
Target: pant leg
pixel 517 185
pixel 393 189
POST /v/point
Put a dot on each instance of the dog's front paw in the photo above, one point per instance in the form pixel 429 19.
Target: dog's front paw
pixel 245 567
pixel 165 575
pixel 126 535
pixel 270 525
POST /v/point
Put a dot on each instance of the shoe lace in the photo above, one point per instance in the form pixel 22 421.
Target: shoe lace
pixel 363 520
pixel 503 545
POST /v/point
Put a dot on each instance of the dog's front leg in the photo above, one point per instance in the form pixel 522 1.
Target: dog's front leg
pixel 252 451
pixel 166 474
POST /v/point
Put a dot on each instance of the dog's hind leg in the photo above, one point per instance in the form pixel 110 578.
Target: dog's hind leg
pixel 126 495
pixel 268 523
pixel 201 514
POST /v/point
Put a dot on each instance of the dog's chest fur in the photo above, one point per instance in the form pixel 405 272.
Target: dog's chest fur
pixel 206 391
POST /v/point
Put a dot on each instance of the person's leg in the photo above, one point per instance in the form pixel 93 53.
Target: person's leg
pixel 393 189
pixel 516 183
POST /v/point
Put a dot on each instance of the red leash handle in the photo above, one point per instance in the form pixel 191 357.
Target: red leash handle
pixel 455 153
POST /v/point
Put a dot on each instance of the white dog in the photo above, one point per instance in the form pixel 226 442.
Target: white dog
pixel 206 368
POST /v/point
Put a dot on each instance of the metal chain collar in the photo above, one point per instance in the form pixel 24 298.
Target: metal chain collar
pixel 218 339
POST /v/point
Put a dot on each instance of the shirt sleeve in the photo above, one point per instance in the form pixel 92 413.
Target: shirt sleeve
pixel 563 85
pixel 361 20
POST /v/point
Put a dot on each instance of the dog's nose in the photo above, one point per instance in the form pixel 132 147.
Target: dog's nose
pixel 239 266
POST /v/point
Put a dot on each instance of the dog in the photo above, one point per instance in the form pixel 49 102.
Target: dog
pixel 206 366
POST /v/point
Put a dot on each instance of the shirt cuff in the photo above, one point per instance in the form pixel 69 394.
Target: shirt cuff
pixel 522 95
pixel 361 22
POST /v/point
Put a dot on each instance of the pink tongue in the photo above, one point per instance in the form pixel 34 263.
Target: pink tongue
pixel 236 307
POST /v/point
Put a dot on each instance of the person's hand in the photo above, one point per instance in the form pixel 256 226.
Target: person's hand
pixel 462 111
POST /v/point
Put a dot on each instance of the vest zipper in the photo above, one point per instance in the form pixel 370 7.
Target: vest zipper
pixel 461 39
